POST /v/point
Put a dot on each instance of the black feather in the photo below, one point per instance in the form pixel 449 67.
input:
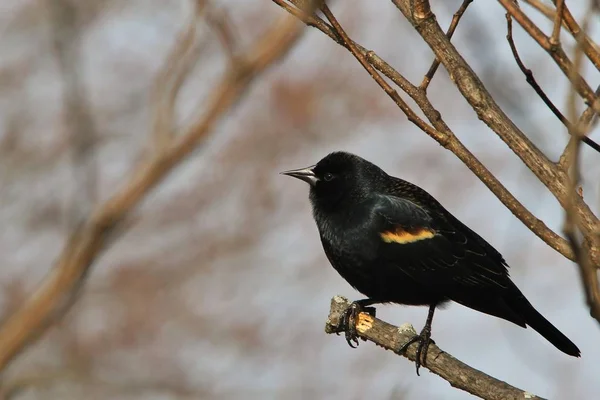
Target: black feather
pixel 394 242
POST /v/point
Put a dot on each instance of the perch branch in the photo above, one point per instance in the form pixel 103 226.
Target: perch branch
pixel 56 292
pixel 457 373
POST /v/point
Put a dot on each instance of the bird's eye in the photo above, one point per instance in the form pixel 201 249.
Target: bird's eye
pixel 328 176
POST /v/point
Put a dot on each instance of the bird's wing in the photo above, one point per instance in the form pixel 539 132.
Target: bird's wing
pixel 436 250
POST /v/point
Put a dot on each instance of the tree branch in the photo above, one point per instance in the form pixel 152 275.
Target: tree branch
pixel 453 24
pixel 570 158
pixel 448 140
pixel 550 13
pixel 457 373
pixel 171 77
pixel 558 17
pixel 592 52
pixel 555 51
pixel 348 43
pixel 57 292
pixel 78 120
pixel 474 91
pixel 529 78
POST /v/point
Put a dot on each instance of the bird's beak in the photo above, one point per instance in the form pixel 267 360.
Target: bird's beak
pixel 305 174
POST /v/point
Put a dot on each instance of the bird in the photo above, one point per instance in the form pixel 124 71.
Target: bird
pixel 395 243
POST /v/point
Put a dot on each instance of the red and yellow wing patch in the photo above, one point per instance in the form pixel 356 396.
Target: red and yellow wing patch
pixel 403 236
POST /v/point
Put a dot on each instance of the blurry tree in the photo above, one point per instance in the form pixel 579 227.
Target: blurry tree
pixel 101 101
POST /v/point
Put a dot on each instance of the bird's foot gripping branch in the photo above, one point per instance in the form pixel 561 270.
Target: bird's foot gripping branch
pixel 390 337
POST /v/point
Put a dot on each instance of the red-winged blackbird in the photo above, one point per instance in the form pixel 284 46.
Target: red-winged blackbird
pixel 395 243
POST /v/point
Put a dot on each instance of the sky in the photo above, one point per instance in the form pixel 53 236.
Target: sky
pixel 220 289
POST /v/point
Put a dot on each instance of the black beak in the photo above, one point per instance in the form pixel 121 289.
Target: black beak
pixel 305 174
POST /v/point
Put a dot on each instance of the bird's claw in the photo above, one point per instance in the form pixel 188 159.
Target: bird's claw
pixel 424 339
pixel 348 322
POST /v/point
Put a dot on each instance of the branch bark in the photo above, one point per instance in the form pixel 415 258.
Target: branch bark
pixel 529 78
pixel 457 373
pixel 572 225
pixel 476 94
pixel 555 51
pixel 443 134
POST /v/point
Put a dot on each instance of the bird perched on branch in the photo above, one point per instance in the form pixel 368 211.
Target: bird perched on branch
pixel 395 243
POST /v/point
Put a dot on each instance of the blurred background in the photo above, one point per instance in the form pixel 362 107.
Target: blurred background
pixel 220 288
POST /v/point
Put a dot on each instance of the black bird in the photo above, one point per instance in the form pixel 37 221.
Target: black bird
pixel 395 243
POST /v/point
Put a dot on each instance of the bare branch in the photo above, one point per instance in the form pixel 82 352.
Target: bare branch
pixel 540 92
pixel 550 13
pixel 589 117
pixel 474 91
pixel 558 17
pixel 78 120
pixel 590 49
pixel 441 363
pixel 545 9
pixel 56 292
pixel 453 24
pixel 221 23
pixel 449 140
pixel 170 79
pixel 411 115
pixel 570 162
pixel 555 51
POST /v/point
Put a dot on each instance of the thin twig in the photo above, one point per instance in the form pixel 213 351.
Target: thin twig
pixel 545 9
pixel 436 63
pixel 550 13
pixel 54 295
pixel 590 49
pixel 558 17
pixel 540 92
pixel 555 51
pixel 170 79
pixel 78 120
pixel 412 116
pixel 221 24
pixel 588 118
pixel 441 363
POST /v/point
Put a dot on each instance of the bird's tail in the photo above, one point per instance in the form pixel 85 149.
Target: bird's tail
pixel 537 321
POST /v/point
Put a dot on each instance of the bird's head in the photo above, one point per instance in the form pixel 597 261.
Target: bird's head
pixel 338 179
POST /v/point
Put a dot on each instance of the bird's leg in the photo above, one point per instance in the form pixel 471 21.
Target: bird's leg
pixel 348 321
pixel 424 339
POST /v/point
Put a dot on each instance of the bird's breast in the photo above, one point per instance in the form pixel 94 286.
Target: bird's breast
pixel 351 241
